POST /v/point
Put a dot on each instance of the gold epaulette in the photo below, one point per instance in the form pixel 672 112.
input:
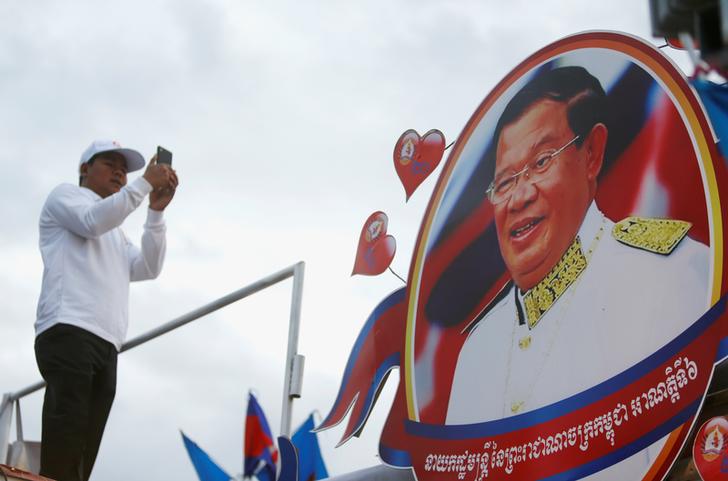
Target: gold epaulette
pixel 655 235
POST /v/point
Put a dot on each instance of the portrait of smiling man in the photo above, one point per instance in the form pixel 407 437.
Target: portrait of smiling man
pixel 588 297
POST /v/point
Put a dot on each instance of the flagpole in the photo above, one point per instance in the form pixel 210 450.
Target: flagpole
pixel 293 376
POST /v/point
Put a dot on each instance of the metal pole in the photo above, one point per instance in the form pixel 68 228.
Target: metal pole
pixel 6 416
pixel 292 354
pixel 211 307
pixel 18 422
pixel 28 390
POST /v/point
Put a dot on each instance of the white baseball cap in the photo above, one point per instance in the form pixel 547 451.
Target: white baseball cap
pixel 134 160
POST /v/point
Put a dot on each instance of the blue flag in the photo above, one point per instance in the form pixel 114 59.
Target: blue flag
pixel 206 468
pixel 310 463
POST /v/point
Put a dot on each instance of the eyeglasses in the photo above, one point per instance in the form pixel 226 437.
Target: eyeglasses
pixel 503 186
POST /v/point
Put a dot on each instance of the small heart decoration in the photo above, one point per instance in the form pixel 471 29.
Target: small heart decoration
pixel 415 157
pixel 376 248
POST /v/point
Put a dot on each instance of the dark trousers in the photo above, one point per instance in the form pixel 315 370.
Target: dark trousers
pixel 80 369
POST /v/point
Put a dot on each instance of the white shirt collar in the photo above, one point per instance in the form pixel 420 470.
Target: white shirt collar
pixel 593 221
pixel 90 193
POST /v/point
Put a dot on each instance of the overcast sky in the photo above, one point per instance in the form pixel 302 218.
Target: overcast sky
pixel 282 117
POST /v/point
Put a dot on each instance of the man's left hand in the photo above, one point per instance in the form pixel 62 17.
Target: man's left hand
pixel 160 198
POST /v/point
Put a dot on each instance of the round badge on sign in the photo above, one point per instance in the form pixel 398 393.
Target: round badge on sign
pixel 710 450
pixel 566 298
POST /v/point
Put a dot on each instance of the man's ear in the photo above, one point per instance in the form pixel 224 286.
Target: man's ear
pixel 82 172
pixel 594 146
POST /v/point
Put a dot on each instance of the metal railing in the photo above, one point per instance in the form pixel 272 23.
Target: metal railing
pixel 293 372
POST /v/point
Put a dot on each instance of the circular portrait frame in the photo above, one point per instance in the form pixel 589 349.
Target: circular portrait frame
pixel 660 163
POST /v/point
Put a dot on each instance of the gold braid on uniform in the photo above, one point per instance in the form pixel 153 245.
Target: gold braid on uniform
pixel 660 236
pixel 541 297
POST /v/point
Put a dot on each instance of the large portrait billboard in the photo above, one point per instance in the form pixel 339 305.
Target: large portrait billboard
pixel 564 308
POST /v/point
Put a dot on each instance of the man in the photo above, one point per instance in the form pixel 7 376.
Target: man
pixel 588 298
pixel 83 307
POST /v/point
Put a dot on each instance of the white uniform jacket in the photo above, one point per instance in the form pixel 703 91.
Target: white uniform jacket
pixel 626 304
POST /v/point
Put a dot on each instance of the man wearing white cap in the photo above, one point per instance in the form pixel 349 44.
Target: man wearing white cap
pixel 82 312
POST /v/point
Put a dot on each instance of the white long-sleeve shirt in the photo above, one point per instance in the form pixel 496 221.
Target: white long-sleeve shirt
pixel 89 262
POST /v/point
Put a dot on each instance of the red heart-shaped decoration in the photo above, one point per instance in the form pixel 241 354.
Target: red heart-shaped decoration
pixel 376 248
pixel 415 157
pixel 710 448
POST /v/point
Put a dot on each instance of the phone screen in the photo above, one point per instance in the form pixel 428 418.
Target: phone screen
pixel 164 156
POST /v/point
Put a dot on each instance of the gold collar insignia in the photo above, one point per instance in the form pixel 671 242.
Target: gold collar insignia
pixel 541 297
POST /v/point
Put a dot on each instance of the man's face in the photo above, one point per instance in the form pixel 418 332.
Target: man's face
pixel 539 222
pixel 106 175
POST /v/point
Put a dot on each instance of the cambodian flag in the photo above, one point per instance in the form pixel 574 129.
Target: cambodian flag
pixel 260 452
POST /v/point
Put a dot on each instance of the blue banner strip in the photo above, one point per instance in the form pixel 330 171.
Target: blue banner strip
pixel 722 350
pixel 577 401
pixel 395 457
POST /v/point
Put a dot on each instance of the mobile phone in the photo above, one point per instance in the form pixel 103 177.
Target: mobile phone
pixel 164 156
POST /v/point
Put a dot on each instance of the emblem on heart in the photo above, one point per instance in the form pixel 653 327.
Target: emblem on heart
pixel 415 157
pixel 376 248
